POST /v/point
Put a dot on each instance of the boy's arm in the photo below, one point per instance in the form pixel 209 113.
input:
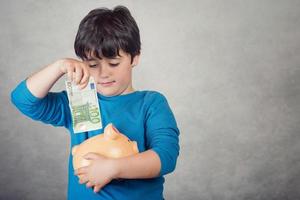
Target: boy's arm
pixel 42 81
pixel 162 142
pixel 143 165
pixel 32 96
pixel 102 170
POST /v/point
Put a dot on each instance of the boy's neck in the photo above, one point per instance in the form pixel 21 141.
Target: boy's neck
pixel 128 90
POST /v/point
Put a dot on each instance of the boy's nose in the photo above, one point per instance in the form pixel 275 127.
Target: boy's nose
pixel 104 72
pixel 104 75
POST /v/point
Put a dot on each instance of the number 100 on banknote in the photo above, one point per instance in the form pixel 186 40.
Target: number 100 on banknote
pixel 84 106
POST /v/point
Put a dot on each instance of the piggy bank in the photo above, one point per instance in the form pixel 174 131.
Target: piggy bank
pixel 111 143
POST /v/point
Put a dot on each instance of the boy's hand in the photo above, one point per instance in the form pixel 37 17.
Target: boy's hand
pixel 76 71
pixel 99 173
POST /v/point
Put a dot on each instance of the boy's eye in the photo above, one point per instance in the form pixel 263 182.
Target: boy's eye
pixel 114 64
pixel 93 65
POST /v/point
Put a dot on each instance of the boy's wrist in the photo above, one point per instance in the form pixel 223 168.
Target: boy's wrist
pixel 58 65
pixel 117 165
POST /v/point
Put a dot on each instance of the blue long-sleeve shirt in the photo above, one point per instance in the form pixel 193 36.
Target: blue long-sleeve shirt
pixel 143 116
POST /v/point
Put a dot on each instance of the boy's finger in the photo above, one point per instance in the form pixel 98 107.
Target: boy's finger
pixel 91 156
pixel 83 179
pixel 78 74
pixel 89 184
pixel 81 170
pixel 86 76
pixel 82 86
pixel 97 188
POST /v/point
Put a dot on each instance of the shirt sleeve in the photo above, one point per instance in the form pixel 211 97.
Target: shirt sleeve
pixel 162 133
pixel 52 109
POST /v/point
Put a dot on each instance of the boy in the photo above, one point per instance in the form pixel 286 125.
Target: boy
pixel 108 43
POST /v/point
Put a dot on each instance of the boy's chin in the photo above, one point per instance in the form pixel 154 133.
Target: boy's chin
pixel 113 91
pixel 107 93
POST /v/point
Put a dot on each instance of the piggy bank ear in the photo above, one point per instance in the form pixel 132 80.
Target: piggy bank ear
pixel 110 132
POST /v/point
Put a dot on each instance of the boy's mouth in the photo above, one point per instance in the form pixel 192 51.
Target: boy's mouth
pixel 107 83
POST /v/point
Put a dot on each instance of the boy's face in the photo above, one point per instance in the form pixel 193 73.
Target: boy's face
pixel 113 76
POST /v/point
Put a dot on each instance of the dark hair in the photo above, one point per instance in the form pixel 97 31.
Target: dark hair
pixel 103 32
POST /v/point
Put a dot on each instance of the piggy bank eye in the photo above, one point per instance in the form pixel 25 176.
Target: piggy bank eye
pixel 128 140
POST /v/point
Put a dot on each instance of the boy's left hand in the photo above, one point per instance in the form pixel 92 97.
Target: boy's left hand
pixel 99 173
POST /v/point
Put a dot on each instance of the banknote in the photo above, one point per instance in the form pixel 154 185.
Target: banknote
pixel 84 106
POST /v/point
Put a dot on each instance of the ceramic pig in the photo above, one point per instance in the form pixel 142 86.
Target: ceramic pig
pixel 111 143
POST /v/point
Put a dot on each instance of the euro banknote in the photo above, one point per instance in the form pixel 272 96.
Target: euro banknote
pixel 84 106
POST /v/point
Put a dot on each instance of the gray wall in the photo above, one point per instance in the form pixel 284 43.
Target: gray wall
pixel 230 70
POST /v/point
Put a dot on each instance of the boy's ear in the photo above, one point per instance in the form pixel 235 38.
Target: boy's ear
pixel 135 60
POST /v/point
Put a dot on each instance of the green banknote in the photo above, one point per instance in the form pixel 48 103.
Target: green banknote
pixel 84 106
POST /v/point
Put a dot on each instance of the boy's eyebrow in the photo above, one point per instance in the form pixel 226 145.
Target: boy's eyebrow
pixel 116 57
pixel 93 59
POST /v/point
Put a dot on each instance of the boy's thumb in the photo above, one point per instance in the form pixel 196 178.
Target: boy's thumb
pixel 90 156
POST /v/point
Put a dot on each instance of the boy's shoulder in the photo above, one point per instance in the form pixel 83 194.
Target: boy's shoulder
pixel 152 96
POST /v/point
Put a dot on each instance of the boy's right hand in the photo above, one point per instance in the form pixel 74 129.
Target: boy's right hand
pixel 76 71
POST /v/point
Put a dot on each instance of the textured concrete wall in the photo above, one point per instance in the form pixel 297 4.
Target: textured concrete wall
pixel 231 72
